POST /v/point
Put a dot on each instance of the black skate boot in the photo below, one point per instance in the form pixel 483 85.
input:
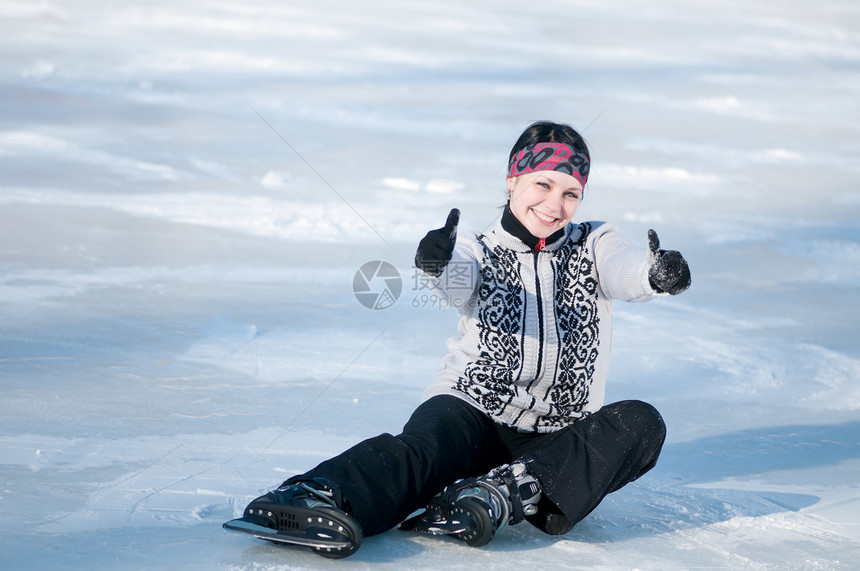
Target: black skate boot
pixel 474 509
pixel 305 513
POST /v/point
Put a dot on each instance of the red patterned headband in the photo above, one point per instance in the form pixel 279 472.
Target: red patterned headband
pixel 550 157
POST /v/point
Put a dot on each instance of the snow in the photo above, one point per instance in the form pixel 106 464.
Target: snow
pixel 189 188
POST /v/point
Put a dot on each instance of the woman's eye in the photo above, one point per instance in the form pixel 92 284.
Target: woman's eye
pixel 543 185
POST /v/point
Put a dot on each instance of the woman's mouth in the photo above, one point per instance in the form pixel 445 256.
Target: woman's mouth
pixel 545 219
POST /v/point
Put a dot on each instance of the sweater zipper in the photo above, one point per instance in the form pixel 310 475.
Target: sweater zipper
pixel 539 306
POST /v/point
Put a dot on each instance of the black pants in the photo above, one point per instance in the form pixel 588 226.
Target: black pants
pixel 386 478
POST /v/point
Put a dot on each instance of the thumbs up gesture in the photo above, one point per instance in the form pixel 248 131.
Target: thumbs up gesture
pixel 435 249
pixel 668 271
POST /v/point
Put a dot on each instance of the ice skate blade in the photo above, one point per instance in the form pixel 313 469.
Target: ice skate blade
pixel 269 534
pixel 457 523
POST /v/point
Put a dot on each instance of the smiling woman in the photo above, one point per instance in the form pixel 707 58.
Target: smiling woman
pixel 513 427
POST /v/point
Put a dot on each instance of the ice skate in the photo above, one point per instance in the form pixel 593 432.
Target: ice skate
pixel 301 514
pixel 474 509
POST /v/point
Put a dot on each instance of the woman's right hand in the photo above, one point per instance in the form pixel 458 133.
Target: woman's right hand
pixel 436 248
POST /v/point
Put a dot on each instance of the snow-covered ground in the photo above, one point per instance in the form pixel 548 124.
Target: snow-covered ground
pixel 189 187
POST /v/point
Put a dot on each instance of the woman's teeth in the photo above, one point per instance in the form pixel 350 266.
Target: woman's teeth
pixel 544 217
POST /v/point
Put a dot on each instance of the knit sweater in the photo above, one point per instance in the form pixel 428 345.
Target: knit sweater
pixel 535 328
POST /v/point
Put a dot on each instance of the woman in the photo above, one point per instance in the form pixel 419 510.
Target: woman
pixel 519 397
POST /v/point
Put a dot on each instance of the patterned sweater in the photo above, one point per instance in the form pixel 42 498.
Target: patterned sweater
pixel 536 327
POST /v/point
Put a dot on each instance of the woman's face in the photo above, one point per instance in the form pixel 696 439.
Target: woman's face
pixel 544 201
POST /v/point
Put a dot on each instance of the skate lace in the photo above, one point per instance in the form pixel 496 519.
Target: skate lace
pixel 318 497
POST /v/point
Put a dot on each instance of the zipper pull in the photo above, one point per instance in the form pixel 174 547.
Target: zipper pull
pixel 540 245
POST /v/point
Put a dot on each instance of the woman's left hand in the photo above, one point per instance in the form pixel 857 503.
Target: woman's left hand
pixel 668 271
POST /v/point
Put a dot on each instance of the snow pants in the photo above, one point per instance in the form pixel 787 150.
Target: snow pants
pixel 386 478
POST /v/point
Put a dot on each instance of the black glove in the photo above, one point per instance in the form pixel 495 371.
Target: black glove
pixel 668 271
pixel 435 249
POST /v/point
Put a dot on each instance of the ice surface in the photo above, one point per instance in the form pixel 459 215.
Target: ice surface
pixel 189 187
